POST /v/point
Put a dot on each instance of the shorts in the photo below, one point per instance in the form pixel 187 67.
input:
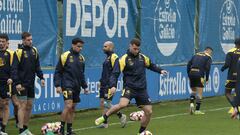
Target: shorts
pixel 14 90
pixel 141 96
pixel 104 94
pixel 196 82
pixel 5 91
pixel 230 84
pixel 27 93
pixel 70 94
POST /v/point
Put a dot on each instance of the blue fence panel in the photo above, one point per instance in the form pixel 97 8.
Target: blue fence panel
pixel 97 21
pixel 219 25
pixel 38 17
pixel 173 86
pixel 167 30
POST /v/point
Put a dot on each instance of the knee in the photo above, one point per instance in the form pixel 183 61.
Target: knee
pixel 29 107
pixel 69 106
pixel 148 112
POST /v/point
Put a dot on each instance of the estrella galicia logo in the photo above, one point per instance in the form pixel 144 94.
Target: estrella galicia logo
pixel 216 80
pixel 15 16
pixel 229 25
pixel 167 26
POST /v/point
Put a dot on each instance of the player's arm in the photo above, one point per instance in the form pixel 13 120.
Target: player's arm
pixel 208 67
pixel 153 67
pixel 83 80
pixel 14 70
pixel 38 68
pixel 227 62
pixel 115 74
pixel 58 73
pixel 189 65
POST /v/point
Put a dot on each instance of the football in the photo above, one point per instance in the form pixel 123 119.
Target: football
pixel 146 133
pixel 50 127
pixel 136 116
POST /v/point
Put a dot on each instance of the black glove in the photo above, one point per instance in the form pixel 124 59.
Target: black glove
pixel 222 69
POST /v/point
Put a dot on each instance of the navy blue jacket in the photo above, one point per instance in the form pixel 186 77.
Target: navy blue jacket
pixel 134 71
pixel 69 71
pixel 231 63
pixel 199 65
pixel 25 66
pixel 6 59
pixel 108 65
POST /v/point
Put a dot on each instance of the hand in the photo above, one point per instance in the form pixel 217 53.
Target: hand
pixel 99 85
pixel 222 69
pixel 206 82
pixel 164 72
pixel 86 91
pixel 19 87
pixel 9 81
pixel 112 91
pixel 42 82
pixel 59 90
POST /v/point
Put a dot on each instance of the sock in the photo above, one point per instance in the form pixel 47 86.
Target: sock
pixel 62 127
pixel 3 128
pixel 142 129
pixel 105 122
pixel 16 118
pixel 230 100
pixel 198 103
pixel 25 127
pixel 21 130
pixel 69 128
pixel 1 119
pixel 105 116
pixel 192 98
pixel 119 114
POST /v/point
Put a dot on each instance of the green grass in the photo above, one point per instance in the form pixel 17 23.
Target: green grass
pixel 169 118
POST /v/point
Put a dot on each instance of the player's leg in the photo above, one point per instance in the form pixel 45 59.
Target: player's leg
pixel 71 114
pixel 68 103
pixel 143 101
pixel 199 100
pixel 22 98
pixel 192 98
pixel 146 118
pixel 15 108
pixel 228 91
pixel 122 103
pixel 108 104
pixel 1 111
pixel 6 113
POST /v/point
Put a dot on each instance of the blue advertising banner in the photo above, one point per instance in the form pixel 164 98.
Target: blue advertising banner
pixel 96 21
pixel 168 30
pixel 173 86
pixel 219 26
pixel 38 17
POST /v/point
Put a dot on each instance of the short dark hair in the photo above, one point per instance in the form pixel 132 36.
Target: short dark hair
pixel 208 48
pixel 135 41
pixel 25 35
pixel 77 40
pixel 4 36
pixel 237 41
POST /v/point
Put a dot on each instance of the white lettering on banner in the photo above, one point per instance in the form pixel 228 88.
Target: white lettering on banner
pixel 11 20
pixel 228 25
pixel 48 91
pixel 167 26
pixel 178 84
pixel 88 21
pixel 207 87
pixel 172 85
pixel 94 86
pixel 45 106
